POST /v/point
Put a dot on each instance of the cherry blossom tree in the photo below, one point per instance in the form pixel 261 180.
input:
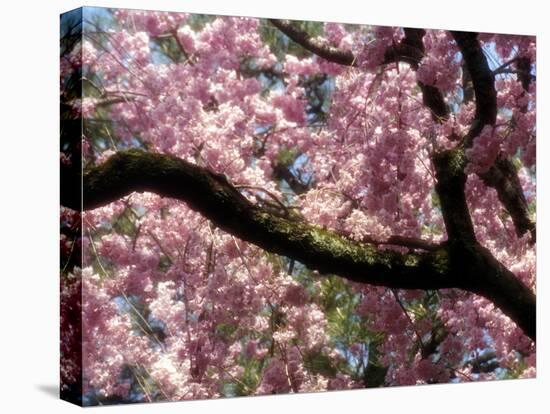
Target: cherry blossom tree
pixel 271 206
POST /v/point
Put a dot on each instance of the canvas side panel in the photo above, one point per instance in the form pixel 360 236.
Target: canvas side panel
pixel 71 218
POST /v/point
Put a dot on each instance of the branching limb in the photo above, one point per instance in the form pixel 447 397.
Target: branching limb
pixel 502 176
pixel 219 201
pixel 402 241
pixel 410 50
pixel 464 266
pixel 482 80
pixel 330 53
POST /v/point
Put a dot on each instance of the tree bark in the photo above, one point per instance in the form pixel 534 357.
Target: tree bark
pixel 464 265
pixel 502 176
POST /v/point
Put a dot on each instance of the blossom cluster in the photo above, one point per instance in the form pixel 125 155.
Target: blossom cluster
pixel 174 308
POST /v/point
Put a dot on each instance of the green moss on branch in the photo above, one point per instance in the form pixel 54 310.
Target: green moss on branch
pixel 455 264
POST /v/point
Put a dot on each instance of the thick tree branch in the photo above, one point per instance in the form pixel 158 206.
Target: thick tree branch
pixel 482 80
pixel 467 85
pixel 330 53
pixel 219 201
pixel 502 176
pixel 524 72
pixel 502 288
pixel 211 194
pixel 410 50
pixel 449 169
pixel 481 272
pixel 402 241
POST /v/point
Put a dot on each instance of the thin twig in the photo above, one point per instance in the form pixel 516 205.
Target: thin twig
pixel 408 317
pixel 269 193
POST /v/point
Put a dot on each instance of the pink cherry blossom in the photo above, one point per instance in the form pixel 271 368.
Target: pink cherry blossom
pixel 173 307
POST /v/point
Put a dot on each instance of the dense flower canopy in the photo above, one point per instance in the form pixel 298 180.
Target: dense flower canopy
pixel 173 307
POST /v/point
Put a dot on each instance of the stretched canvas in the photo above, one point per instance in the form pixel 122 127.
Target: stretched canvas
pixel 256 206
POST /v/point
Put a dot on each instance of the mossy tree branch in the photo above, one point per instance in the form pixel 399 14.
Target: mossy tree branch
pixel 448 266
